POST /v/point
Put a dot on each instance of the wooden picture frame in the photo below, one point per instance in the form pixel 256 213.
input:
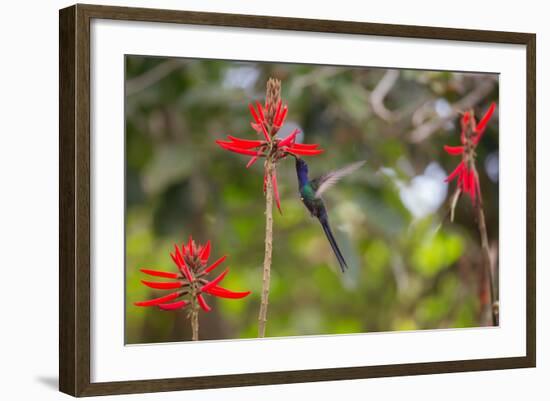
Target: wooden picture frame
pixel 74 205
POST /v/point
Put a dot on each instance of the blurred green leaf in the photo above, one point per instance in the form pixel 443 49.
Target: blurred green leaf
pixel 437 253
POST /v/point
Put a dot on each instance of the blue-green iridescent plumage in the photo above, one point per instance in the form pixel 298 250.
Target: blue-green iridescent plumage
pixel 310 194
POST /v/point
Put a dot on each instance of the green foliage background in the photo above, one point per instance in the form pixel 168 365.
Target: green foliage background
pixel 410 268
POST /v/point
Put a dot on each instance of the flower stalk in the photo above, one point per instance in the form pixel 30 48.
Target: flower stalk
pixel 267 120
pixel 262 317
pixel 487 262
pixel 273 114
pixel 468 182
pixel 195 320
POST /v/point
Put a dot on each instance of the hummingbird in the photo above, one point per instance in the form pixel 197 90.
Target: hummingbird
pixel 310 195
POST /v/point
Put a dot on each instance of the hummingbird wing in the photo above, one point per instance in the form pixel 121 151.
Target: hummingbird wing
pixel 328 180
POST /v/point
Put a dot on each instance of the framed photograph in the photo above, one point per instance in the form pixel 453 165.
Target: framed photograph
pixel 250 200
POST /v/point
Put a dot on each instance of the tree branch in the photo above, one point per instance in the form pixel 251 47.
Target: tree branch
pixel 152 76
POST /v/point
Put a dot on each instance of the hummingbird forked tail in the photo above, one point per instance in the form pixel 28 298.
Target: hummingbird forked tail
pixel 328 232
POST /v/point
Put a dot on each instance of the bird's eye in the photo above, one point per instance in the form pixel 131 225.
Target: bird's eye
pixel 301 198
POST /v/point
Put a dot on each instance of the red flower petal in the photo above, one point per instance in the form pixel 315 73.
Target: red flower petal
pixel 159 274
pixel 179 256
pixel 176 257
pixel 216 280
pixel 252 161
pixel 215 264
pixel 278 112
pixel 260 111
pixel 187 273
pixel 454 150
pixel 304 146
pixel 224 293
pixel 203 303
pixel 173 305
pixel 276 191
pixel 290 138
pixel 303 152
pixel 483 123
pixel 266 135
pixel 465 183
pixel 480 129
pixel 253 112
pixel 239 145
pixel 260 121
pixel 163 286
pixel 244 143
pixel 235 149
pixel 181 263
pixel 466 117
pixel 205 252
pixel 464 179
pixel 455 172
pixel 160 300
pixel 282 117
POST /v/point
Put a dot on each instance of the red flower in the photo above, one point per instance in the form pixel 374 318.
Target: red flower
pixel 190 280
pixel 465 172
pixel 270 146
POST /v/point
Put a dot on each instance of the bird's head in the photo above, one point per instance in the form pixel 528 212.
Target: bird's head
pixel 301 171
pixel 301 165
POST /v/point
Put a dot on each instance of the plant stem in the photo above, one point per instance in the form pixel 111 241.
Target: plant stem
pixel 195 320
pixel 262 318
pixel 487 263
